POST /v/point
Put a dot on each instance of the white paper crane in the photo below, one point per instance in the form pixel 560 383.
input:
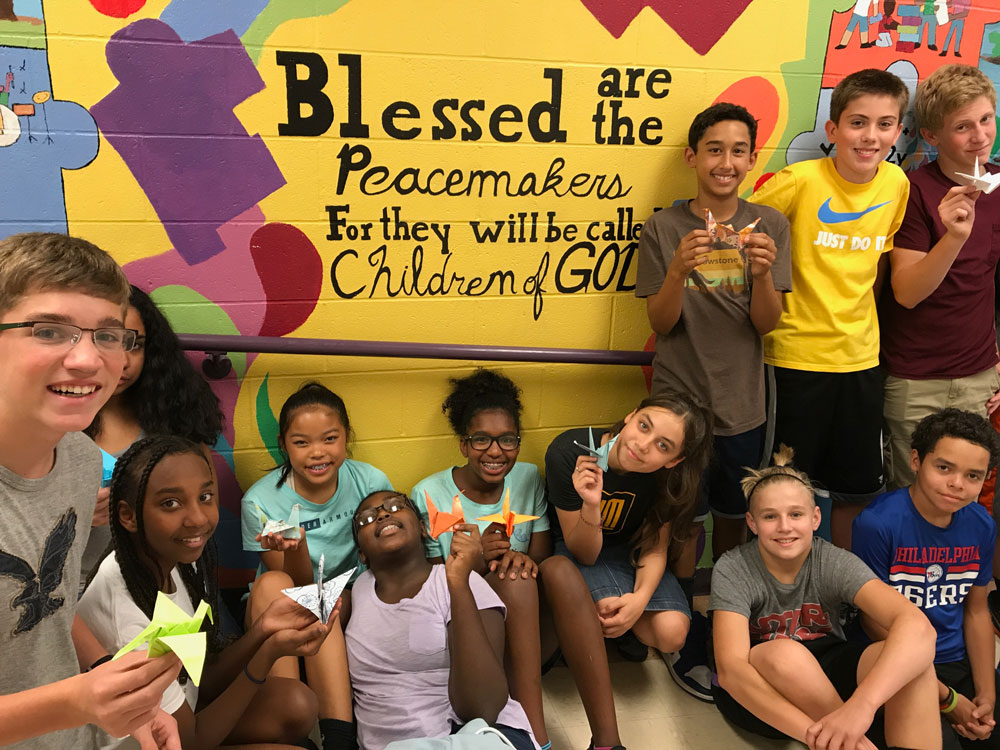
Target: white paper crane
pixel 984 181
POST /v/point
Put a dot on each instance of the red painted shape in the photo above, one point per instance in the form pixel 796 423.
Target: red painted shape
pixel 291 274
pixel 118 8
pixel 761 180
pixel 700 24
pixel 760 98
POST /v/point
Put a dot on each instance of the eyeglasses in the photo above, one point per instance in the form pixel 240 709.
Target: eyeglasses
pixel 66 335
pixel 392 505
pixel 483 442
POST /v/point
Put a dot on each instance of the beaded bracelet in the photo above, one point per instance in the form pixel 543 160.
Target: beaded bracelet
pixel 949 705
pixel 253 679
pixel 589 523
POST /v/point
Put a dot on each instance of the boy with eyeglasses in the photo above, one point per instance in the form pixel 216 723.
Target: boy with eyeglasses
pixel 62 350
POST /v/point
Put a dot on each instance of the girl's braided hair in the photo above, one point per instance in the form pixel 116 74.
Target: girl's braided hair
pixel 782 470
pixel 133 552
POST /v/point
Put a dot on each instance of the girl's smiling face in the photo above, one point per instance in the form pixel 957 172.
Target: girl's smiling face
pixel 316 445
pixel 492 464
pixel 652 439
pixel 180 510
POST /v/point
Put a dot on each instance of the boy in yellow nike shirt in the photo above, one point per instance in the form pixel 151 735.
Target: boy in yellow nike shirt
pixel 843 211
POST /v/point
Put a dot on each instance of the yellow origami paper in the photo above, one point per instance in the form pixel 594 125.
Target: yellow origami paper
pixel 172 629
pixel 506 518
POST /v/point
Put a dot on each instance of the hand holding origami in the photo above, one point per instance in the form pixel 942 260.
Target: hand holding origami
pixel 172 629
pixel 287 529
pixel 602 453
pixel 506 517
pixel 320 597
pixel 440 521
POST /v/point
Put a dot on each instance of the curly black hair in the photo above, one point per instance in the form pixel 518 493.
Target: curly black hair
pixel 169 396
pixel 483 390
pixel 133 552
pixel 954 423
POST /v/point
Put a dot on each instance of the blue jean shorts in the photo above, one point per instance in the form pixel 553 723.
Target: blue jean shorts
pixel 613 575
pixel 856 21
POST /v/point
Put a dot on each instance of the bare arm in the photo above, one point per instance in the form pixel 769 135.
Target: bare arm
pixel 915 275
pixel 583 529
pixel 765 300
pixel 288 555
pixel 978 631
pixel 477 685
pixel 88 650
pixel 740 678
pixel 540 545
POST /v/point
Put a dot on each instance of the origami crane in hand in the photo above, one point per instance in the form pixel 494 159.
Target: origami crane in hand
pixel 441 521
pixel 172 629
pixel 506 518
pixel 321 597
pixel 985 181
pixel 602 453
pixel 725 233
pixel 288 529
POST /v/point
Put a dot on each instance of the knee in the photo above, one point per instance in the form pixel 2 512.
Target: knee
pixel 299 710
pixel 562 580
pixel 777 660
pixel 668 631
pixel 266 588
pixel 518 594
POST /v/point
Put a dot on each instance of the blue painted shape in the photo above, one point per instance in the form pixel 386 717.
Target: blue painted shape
pixel 60 135
pixel 196 19
pixel 31 8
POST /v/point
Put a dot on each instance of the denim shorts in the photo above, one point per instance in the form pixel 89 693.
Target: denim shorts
pixel 613 575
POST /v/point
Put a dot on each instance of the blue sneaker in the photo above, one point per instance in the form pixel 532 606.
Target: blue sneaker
pixel 689 666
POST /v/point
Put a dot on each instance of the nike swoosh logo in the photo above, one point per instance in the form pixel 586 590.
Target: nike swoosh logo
pixel 828 216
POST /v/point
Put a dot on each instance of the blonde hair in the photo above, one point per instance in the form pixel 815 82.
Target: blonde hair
pixel 46 261
pixel 782 470
pixel 948 88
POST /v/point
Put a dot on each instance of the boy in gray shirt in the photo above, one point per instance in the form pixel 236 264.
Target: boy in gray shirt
pixel 784 668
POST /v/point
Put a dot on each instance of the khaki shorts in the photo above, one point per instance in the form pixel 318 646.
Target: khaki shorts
pixel 909 401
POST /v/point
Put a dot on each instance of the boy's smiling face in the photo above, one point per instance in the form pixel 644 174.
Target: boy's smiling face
pixel 722 160
pixel 783 515
pixel 949 477
pixel 47 391
pixel 965 134
pixel 864 135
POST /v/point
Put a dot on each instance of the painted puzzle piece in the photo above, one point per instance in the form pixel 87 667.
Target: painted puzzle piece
pixel 507 518
pixel 171 119
pixel 601 453
pixel 321 597
pixel 981 180
pixel 441 521
pixel 287 529
pixel 172 629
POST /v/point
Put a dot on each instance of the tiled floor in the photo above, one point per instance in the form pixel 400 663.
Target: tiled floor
pixel 653 713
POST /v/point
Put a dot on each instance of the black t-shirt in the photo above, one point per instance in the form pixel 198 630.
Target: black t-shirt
pixel 625 499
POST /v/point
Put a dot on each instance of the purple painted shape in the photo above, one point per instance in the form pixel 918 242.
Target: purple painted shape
pixel 229 278
pixel 171 119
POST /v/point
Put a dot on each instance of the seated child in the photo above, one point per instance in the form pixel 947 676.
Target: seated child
pixel 609 571
pixel 425 642
pixel 934 543
pixel 843 213
pixel 164 512
pixel 159 392
pixel 313 434
pixel 484 410
pixel 784 668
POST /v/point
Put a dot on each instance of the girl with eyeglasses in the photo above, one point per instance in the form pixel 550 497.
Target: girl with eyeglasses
pixel 484 410
pixel 314 432
pixel 617 527
pixel 425 642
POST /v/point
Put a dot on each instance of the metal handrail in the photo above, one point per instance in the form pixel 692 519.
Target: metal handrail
pixel 217 364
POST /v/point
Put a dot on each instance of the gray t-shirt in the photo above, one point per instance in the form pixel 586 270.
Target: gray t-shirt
pixel 804 610
pixel 44 524
pixel 713 351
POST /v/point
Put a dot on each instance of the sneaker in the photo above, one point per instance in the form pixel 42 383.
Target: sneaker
pixel 689 666
pixel 993 604
pixel 614 747
pixel 631 648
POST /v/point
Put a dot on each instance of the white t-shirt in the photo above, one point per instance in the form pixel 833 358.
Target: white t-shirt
pixel 861 7
pixel 115 619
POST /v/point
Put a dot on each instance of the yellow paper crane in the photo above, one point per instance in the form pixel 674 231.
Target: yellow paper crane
pixel 172 629
pixel 505 517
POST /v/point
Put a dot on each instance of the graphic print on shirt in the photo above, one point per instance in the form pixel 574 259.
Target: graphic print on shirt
pixel 723 269
pixel 615 507
pixel 807 623
pixel 935 576
pixel 36 596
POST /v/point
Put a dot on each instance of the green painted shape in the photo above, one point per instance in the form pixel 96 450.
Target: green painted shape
pixel 996 142
pixel 278 12
pixel 267 425
pixel 803 78
pixel 190 312
pixel 22 34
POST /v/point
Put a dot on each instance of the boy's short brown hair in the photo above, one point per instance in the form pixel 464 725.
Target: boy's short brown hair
pixel 948 88
pixel 46 261
pixel 868 81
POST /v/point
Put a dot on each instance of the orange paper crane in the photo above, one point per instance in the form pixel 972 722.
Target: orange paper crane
pixel 505 517
pixel 441 521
